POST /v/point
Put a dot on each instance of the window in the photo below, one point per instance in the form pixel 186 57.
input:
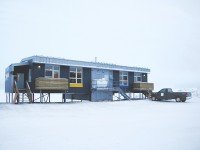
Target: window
pixel 123 78
pixel 52 71
pixel 169 90
pixel 137 77
pixel 162 91
pixel 75 75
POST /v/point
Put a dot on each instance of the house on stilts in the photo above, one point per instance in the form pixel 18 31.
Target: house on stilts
pixel 74 79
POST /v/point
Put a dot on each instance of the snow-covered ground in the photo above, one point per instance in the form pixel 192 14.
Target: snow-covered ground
pixel 121 125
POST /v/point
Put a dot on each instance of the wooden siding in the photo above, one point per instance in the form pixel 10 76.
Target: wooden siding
pixel 143 86
pixel 43 83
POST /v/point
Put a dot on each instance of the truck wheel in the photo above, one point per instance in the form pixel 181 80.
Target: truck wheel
pixel 153 98
pixel 178 99
pixel 183 99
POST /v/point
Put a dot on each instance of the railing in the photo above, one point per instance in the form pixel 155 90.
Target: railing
pixel 115 83
pixel 43 83
pixel 16 90
pixel 104 84
pixel 143 86
pixel 29 93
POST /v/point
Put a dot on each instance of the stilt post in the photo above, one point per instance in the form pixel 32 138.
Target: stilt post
pixel 40 96
pixel 33 98
pixel 49 97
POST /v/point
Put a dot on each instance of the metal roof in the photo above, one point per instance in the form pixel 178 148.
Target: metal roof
pixel 67 62
pixel 11 67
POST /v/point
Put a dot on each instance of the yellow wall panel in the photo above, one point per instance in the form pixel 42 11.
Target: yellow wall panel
pixel 78 85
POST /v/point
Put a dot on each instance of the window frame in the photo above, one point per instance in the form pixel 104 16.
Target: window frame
pixel 136 76
pixel 76 70
pixel 122 81
pixel 51 68
pixel 162 91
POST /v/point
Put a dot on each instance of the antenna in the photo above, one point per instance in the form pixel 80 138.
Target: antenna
pixel 95 59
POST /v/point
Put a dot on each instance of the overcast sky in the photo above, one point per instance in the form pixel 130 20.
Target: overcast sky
pixel 161 35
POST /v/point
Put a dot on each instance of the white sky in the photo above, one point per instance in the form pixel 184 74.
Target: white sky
pixel 161 35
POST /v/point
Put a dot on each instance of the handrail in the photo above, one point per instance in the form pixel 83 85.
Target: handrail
pixel 15 87
pixel 28 86
pixel 107 84
pixel 16 98
pixel 29 92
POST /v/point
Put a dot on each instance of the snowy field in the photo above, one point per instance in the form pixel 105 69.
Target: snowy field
pixel 122 125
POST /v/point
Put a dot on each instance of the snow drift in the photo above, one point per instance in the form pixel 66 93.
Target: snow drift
pixel 142 124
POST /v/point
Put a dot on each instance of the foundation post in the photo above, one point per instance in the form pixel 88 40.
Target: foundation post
pixel 12 98
pixel 22 97
pixel 49 95
pixel 40 96
pixel 33 97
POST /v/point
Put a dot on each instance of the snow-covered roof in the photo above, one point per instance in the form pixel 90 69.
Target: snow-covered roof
pixel 67 62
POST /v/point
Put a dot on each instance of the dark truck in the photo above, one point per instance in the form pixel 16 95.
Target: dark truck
pixel 167 93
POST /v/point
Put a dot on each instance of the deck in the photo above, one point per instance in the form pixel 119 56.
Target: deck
pixel 143 86
pixel 43 83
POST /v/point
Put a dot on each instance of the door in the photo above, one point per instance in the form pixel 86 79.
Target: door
pixel 169 94
pixel 20 80
pixel 162 94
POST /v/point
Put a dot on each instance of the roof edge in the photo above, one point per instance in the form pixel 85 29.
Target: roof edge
pixel 63 61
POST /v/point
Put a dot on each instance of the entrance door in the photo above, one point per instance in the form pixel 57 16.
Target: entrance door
pixel 20 80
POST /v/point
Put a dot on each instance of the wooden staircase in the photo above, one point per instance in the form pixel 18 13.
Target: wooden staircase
pixel 120 91
pixel 114 89
pixel 17 91
pixel 16 96
pixel 29 93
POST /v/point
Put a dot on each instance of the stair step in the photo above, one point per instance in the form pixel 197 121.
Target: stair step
pixel 18 93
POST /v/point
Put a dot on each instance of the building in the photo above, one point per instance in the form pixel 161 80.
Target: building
pixel 83 80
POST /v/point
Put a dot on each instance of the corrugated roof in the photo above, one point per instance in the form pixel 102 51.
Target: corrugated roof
pixel 68 62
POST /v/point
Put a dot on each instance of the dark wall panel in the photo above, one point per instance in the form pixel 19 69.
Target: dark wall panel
pixel 64 72
pixel 37 71
pixel 144 77
pixel 78 96
pixel 22 69
pixel 115 78
pixel 87 79
pixel 130 80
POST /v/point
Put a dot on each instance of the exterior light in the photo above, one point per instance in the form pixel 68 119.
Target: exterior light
pixel 39 67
